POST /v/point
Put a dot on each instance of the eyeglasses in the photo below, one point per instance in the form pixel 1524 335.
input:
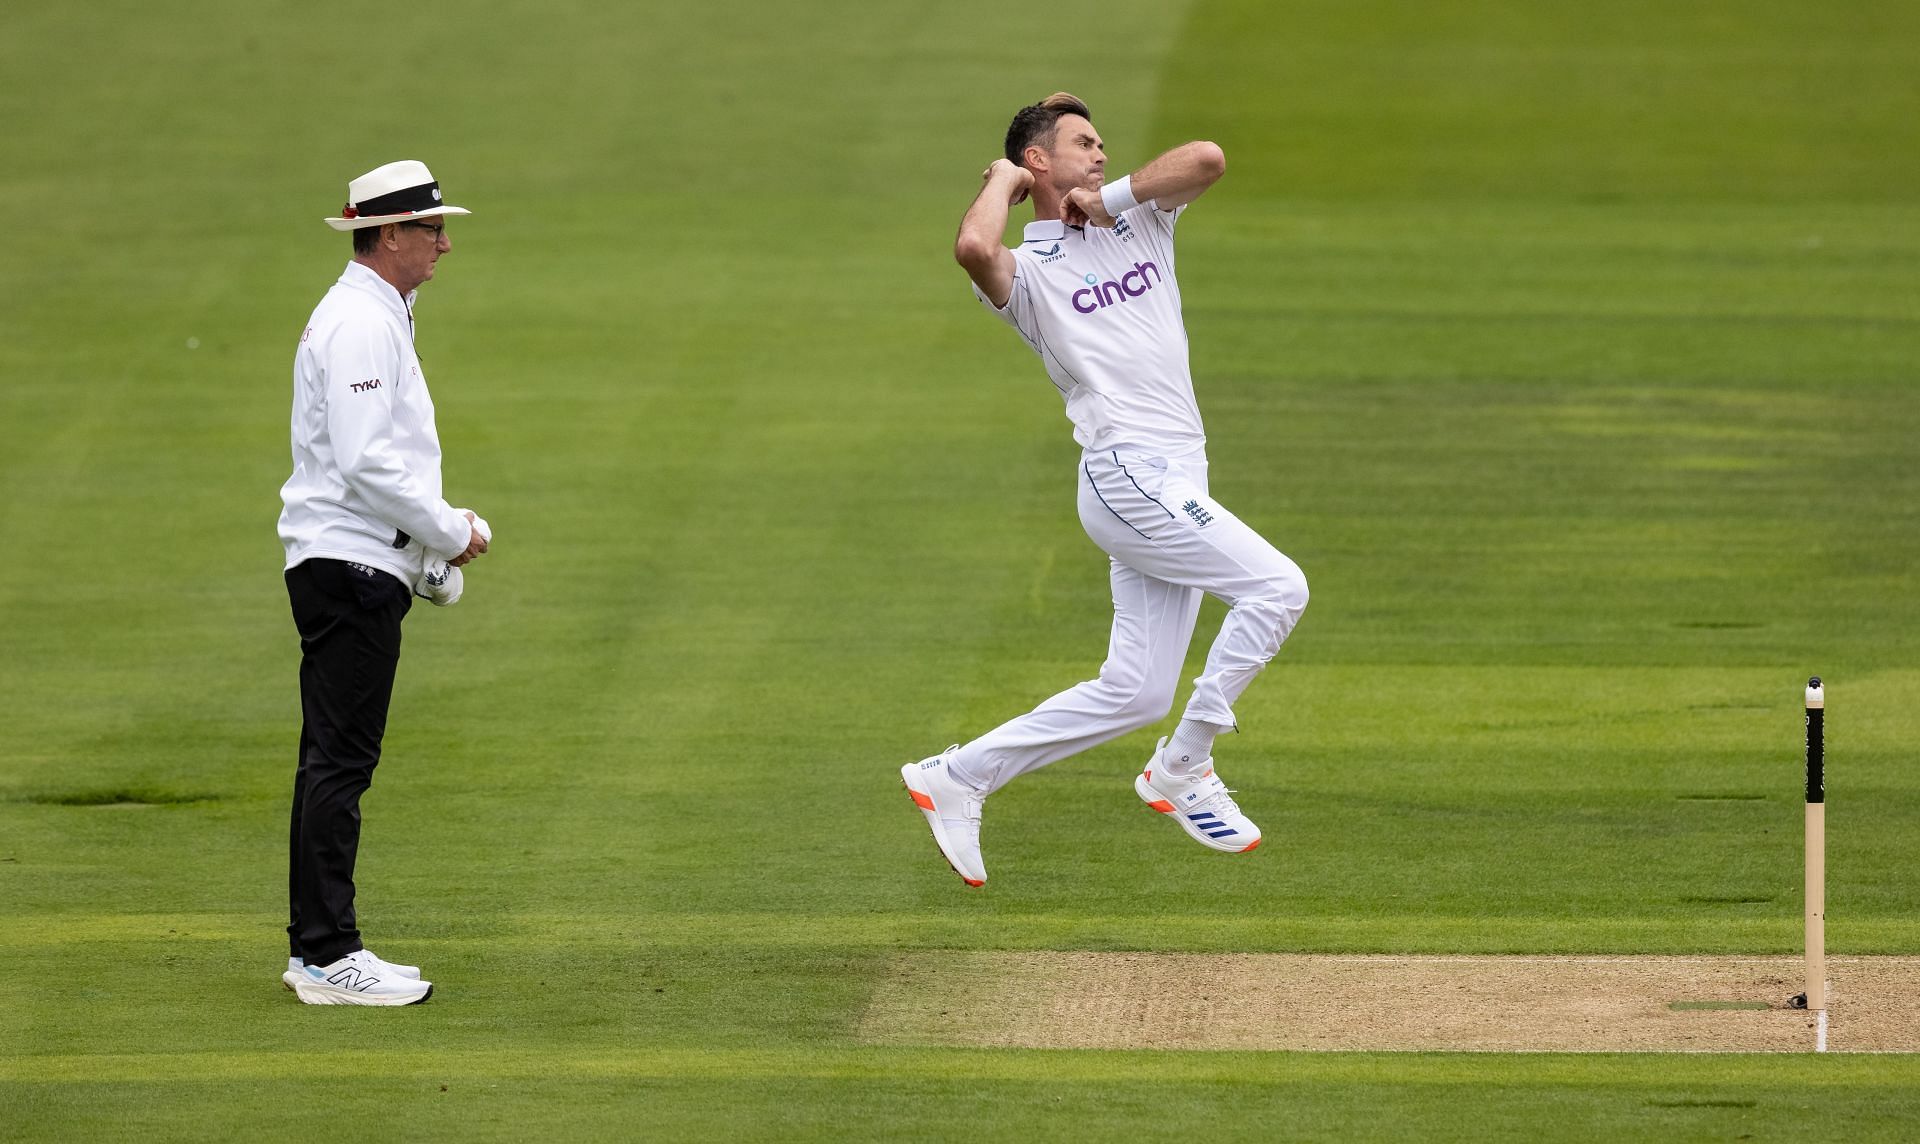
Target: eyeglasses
pixel 437 228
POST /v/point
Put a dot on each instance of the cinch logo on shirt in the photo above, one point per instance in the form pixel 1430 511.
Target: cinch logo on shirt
pixel 1099 295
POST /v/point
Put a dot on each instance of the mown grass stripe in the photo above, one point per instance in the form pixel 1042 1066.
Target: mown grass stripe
pixel 1093 1066
pixel 1464 935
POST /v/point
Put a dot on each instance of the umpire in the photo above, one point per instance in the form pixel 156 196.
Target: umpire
pixel 365 526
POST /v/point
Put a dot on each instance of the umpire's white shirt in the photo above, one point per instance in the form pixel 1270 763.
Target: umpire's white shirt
pixel 1101 307
pixel 366 456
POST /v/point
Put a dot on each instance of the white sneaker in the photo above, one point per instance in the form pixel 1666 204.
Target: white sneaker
pixel 358 979
pixel 296 964
pixel 1201 804
pixel 953 811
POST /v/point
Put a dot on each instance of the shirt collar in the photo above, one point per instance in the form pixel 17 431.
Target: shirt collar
pixel 1044 230
pixel 363 278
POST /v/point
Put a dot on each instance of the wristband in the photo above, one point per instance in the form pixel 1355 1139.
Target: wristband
pixel 1117 197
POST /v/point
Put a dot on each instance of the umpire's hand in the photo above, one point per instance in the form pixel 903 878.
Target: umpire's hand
pixel 476 544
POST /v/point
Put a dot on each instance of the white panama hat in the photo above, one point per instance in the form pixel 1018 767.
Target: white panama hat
pixel 393 193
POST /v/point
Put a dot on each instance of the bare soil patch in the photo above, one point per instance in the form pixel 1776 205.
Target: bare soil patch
pixel 1054 999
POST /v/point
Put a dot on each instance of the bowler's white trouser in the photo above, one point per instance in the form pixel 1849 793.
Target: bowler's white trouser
pixel 1170 542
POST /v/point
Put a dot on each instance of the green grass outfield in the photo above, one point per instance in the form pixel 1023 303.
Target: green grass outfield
pixel 1569 348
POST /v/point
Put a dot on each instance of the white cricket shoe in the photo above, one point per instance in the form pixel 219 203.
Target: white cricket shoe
pixel 359 978
pixel 953 812
pixel 1201 804
pixel 296 964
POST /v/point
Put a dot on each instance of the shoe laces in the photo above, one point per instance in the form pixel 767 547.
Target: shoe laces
pixel 1220 801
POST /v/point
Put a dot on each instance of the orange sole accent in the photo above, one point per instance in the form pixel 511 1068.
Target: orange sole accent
pixel 925 802
pixel 1255 842
pixel 1163 806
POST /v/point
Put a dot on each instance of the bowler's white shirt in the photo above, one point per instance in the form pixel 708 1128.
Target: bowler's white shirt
pixel 1101 307
pixel 366 455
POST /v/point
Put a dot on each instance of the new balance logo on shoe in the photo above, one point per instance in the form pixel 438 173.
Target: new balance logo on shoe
pixel 349 977
pixel 359 978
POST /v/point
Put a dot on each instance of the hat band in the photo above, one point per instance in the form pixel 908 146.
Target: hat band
pixel 407 200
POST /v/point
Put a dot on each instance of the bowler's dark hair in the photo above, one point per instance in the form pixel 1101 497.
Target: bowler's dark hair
pixel 366 240
pixel 1038 122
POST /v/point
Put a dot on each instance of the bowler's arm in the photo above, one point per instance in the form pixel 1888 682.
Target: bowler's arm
pixel 1171 180
pixel 979 248
pixel 1181 175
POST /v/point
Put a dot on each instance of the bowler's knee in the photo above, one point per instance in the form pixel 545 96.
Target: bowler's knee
pixel 1293 591
pixel 1281 601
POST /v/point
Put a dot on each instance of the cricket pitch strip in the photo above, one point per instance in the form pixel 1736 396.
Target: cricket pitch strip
pixel 1084 1000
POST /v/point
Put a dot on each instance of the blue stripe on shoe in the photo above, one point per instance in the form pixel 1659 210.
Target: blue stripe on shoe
pixel 1221 833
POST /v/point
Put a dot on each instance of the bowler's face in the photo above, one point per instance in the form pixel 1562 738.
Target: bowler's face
pixel 1079 155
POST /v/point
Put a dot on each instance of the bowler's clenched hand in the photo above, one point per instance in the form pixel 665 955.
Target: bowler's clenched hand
pixel 1082 207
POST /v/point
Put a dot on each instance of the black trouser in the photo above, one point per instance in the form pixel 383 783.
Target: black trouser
pixel 349 620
